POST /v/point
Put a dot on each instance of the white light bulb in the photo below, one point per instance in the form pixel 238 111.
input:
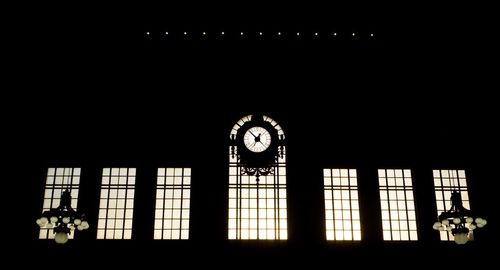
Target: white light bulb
pixel 44 220
pixel 80 227
pixel 461 238
pixel 166 33
pixel 77 221
pixel 353 34
pixel 66 220
pixel 279 33
pixel 472 227
pixel 61 238
pixel 204 33
pixel 484 221
pixel 456 220
pixel 469 220
pixel 335 34
pixel 147 33
pixel 298 34
pixel 49 226
pixel 479 220
pixel 85 225
pixel 53 219
pixel 437 225
pixel 480 225
pixel 185 33
pixel 222 33
pixel 449 228
pixel 260 33
pixel 446 222
pixel 316 33
pixel 39 222
pixel 241 33
pixel 371 35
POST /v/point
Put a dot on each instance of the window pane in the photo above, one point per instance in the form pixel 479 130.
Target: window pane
pixel 396 204
pixel 58 180
pixel 445 182
pixel 116 204
pixel 339 211
pixel 173 194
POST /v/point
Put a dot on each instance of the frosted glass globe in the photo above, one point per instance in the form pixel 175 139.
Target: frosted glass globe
pixel 461 238
pixel 61 238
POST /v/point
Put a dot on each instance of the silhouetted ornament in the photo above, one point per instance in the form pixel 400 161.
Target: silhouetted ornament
pixel 458 220
pixel 63 219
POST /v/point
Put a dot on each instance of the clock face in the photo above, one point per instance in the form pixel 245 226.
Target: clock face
pixel 257 139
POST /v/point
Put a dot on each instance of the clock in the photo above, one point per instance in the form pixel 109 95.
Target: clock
pixel 257 139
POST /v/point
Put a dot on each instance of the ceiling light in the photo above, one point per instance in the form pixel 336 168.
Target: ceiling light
pixel 458 220
pixel 63 219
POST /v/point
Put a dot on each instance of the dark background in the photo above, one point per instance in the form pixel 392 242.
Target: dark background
pixel 94 91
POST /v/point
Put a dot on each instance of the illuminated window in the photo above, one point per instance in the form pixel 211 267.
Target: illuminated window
pixel 257 209
pixel 58 180
pixel 341 205
pixel 172 203
pixel 399 222
pixel 116 206
pixel 445 181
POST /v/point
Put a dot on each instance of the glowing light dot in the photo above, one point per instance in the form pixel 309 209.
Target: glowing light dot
pixel 185 33
pixel 147 33
pixel 353 34
pixel 335 34
pixel 204 33
pixel 166 33
pixel 260 33
pixel 222 33
pixel 316 33
pixel 279 33
pixel 371 35
pixel 298 34
pixel 241 33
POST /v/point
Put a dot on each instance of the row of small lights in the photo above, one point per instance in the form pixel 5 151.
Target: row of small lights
pixel 260 34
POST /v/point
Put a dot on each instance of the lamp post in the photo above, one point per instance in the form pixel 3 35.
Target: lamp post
pixel 63 219
pixel 458 220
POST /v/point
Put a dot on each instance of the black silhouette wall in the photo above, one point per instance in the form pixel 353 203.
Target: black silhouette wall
pixel 118 98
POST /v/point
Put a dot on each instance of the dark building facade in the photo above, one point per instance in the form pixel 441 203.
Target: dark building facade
pixel 129 95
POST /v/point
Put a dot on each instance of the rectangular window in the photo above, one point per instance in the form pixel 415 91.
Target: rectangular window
pixel 257 209
pixel 58 180
pixel 341 205
pixel 397 204
pixel 172 203
pixel 116 205
pixel 445 181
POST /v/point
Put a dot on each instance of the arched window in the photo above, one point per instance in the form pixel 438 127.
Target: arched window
pixel 257 180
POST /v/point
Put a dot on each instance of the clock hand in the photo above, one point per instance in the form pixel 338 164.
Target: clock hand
pixel 252 133
pixel 257 139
